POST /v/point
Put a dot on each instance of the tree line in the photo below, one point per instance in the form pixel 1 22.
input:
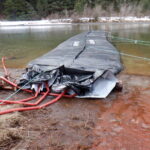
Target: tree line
pixel 37 9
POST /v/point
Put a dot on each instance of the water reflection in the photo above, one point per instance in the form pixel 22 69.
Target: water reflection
pixel 24 43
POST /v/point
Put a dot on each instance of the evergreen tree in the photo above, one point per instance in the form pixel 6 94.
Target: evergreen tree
pixel 146 5
pixel 79 6
pixel 31 9
pixel 19 10
pixel 42 7
pixel 1 6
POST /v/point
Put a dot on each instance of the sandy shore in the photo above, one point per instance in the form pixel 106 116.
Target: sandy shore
pixel 116 122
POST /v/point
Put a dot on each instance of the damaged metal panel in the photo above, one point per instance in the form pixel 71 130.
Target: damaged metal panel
pixel 85 64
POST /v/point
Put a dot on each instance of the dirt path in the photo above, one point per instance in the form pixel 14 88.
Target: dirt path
pixel 120 122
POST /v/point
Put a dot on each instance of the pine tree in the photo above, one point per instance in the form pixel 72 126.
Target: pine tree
pixel 42 7
pixel 19 10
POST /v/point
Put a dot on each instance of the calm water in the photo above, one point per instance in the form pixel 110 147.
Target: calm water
pixel 22 44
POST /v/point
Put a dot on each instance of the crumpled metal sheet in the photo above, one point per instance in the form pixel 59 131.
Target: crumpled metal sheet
pixel 85 64
pixel 102 86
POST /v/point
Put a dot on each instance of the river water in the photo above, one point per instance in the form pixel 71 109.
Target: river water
pixel 122 119
pixel 21 44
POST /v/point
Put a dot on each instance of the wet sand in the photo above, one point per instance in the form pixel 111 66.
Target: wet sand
pixel 119 122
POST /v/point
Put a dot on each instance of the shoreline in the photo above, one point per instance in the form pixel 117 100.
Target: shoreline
pixel 129 19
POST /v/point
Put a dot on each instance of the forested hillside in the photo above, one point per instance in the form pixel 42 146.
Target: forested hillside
pixel 37 9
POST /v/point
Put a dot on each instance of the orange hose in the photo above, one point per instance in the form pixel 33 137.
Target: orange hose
pixel 14 85
pixel 67 96
pixel 4 67
pixel 35 107
pixel 23 101
pixel 30 91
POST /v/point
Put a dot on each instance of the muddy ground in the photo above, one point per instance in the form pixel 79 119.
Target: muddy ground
pixel 119 122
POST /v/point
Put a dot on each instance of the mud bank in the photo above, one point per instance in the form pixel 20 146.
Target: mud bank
pixel 119 122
